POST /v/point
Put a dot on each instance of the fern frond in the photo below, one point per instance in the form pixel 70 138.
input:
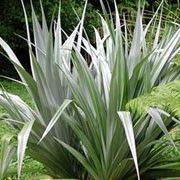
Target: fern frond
pixel 166 97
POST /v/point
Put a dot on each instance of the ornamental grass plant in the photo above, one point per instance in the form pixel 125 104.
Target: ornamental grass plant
pixel 79 126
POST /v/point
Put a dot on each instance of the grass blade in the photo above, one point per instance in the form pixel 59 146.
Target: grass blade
pixel 56 117
pixel 22 143
pixel 128 127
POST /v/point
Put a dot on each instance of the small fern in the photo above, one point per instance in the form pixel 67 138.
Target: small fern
pixel 166 97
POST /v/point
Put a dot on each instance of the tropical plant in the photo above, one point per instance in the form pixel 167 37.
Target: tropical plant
pixel 6 155
pixel 79 126
pixel 48 89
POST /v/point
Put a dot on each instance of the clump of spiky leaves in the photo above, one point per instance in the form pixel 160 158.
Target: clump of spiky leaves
pixel 93 124
pixel 50 93
pixel 121 69
pixel 7 153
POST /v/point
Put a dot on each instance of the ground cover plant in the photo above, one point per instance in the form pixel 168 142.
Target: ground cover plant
pixel 79 126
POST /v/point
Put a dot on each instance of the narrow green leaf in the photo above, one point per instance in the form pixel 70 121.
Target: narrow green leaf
pixel 55 117
pixel 125 117
pixel 28 35
pixel 9 52
pixel 79 157
pixel 23 137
